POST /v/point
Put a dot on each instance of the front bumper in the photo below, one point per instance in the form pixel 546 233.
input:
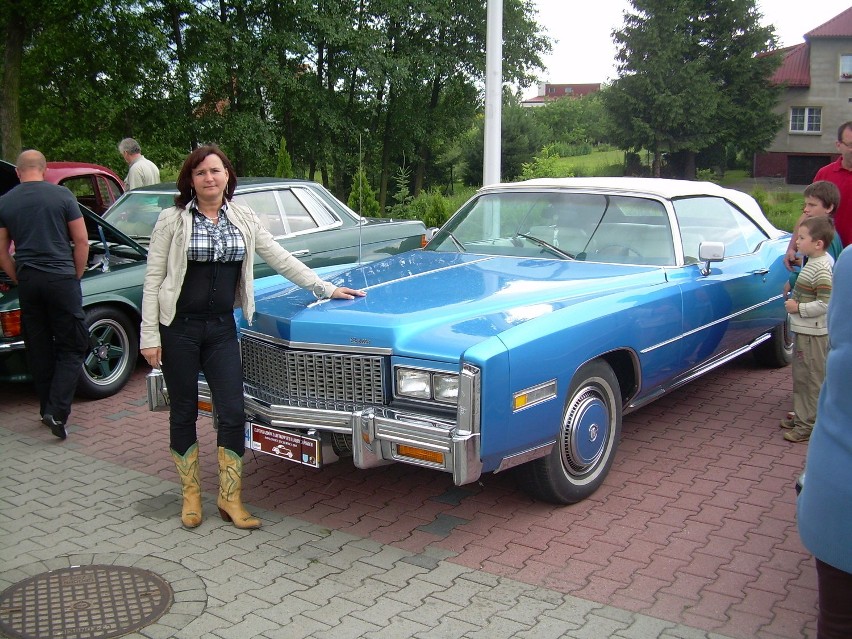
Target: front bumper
pixel 382 435
pixel 13 362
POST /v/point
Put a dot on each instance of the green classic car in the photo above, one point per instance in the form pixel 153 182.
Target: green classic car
pixel 306 219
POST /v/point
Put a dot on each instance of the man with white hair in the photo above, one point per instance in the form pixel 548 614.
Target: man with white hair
pixel 142 171
pixel 44 220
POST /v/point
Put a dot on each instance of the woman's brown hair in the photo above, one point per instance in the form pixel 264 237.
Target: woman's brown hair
pixel 184 180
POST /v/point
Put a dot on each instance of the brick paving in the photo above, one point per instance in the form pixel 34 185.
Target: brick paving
pixel 692 535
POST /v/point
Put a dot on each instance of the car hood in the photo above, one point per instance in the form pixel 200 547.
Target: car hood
pixel 440 303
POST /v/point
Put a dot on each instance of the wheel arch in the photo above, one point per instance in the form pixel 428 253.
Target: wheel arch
pixel 625 364
pixel 124 305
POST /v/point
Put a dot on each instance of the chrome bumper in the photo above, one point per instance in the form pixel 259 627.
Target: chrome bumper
pixel 377 433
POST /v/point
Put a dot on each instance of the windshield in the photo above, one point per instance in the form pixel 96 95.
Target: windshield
pixel 137 212
pixel 561 225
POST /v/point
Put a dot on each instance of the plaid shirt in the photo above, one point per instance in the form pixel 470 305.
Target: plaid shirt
pixel 214 241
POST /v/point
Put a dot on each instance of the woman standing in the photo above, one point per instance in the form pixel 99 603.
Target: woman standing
pixel 200 264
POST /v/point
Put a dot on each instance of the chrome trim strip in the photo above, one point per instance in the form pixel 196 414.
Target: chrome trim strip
pixel 698 372
pixel 713 323
pixel 467 442
pixel 524 456
pixel 298 417
pixel 360 350
pixel 398 429
pixel 12 346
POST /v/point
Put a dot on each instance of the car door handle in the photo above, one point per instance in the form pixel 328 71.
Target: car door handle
pixel 760 271
pixel 301 253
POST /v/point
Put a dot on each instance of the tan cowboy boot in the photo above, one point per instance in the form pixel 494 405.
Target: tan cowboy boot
pixel 190 484
pixel 230 485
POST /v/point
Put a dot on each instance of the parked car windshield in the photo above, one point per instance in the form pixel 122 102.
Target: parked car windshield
pixel 282 210
pixel 581 226
pixel 137 212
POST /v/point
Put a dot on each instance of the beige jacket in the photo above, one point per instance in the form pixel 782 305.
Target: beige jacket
pixel 167 264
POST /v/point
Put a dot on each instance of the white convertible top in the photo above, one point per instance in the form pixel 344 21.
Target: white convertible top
pixel 659 187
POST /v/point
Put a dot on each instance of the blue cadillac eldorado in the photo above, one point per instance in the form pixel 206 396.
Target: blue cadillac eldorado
pixel 540 314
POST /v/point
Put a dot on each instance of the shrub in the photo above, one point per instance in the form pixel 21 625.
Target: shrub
pixel 430 207
pixel 782 208
pixel 706 175
pixel 545 164
pixel 565 150
pixel 365 202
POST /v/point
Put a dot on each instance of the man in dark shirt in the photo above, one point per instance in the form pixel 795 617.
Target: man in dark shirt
pixel 42 220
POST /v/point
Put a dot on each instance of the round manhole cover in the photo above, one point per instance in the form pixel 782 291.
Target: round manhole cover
pixel 84 602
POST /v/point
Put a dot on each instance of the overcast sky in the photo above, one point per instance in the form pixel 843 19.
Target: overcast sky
pixel 585 53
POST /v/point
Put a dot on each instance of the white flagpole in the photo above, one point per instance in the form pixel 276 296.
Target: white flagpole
pixel 493 91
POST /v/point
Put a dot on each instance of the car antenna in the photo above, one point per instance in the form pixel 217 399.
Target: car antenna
pixel 360 197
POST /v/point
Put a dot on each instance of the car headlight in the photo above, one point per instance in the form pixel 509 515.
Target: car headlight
pixel 446 387
pixel 421 384
pixel 412 383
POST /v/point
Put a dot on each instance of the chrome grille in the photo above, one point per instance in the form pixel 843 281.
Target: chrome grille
pixel 283 376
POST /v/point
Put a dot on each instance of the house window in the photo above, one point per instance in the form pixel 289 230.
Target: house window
pixel 805 120
pixel 846 68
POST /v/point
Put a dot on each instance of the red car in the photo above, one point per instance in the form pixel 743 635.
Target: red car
pixel 94 186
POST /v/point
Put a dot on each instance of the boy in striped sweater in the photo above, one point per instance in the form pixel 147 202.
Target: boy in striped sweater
pixel 807 308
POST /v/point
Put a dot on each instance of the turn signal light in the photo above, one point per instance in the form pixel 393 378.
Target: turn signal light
pixel 420 453
pixel 10 322
pixel 206 407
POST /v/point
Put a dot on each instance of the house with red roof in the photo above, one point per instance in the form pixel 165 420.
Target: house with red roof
pixel 817 99
pixel 548 92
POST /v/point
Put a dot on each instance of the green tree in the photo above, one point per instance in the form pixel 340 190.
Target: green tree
pixel 285 164
pixel 746 116
pixel 572 120
pixel 522 137
pixel 404 80
pixel 362 199
pixel 691 79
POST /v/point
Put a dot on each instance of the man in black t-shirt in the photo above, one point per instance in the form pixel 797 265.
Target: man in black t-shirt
pixel 42 220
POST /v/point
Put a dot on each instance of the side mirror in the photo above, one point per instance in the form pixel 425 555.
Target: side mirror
pixel 710 252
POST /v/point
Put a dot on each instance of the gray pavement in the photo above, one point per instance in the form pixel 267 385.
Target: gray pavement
pixel 61 507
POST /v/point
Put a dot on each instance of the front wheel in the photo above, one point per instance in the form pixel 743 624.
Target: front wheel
pixel 586 442
pixel 111 357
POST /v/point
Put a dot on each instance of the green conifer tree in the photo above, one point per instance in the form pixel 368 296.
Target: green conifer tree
pixel 363 201
pixel 285 164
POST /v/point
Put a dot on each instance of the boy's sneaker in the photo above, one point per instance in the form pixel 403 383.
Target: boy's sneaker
pixel 788 422
pixel 798 434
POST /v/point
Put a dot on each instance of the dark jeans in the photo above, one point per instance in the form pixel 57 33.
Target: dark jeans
pixel 209 346
pixel 56 336
pixel 835 602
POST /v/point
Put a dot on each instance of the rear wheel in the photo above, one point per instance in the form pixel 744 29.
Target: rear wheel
pixel 586 442
pixel 112 354
pixel 778 350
